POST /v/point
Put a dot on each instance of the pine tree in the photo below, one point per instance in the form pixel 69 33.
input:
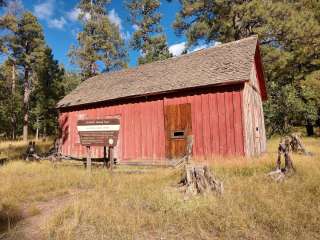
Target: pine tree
pixel 10 102
pixel 148 38
pixel 48 90
pixel 70 81
pixel 100 41
pixel 8 25
pixel 27 46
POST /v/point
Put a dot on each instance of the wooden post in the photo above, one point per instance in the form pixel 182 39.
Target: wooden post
pixel 88 158
pixel 111 157
pixel 104 156
pixel 189 148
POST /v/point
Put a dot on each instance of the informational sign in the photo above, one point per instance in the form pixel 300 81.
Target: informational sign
pixel 99 132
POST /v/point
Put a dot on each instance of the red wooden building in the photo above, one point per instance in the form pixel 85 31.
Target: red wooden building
pixel 214 94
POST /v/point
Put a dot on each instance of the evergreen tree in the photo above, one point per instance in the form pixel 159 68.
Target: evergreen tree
pixel 48 90
pixel 31 81
pixel 8 25
pixel 148 38
pixel 289 33
pixel 100 41
pixel 27 46
pixel 10 102
pixel 70 81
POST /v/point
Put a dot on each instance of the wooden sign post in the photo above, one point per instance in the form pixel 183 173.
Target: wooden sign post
pixel 99 132
pixel 111 157
pixel 88 165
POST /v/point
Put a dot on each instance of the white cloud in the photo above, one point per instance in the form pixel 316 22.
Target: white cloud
pixel 200 47
pixel 203 46
pixel 44 10
pixel 75 32
pixel 73 15
pixel 115 19
pixel 177 49
pixel 57 23
pixel 135 27
pixel 15 7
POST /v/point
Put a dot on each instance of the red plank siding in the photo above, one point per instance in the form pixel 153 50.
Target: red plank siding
pixel 206 125
pixel 222 123
pixel 238 123
pixel 216 125
pixel 214 122
pixel 229 124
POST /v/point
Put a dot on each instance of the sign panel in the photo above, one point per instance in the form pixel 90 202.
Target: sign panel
pixel 99 132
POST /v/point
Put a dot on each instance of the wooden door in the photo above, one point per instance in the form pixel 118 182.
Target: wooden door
pixel 178 126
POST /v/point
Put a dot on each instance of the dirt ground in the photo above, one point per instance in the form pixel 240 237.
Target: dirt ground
pixel 32 225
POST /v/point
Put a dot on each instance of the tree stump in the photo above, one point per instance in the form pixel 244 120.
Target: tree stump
pixel 186 159
pixel 297 145
pixel 280 173
pixel 199 180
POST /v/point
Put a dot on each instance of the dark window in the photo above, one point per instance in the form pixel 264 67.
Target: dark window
pixel 177 134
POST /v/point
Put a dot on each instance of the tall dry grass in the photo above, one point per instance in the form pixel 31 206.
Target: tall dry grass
pixel 16 149
pixel 147 205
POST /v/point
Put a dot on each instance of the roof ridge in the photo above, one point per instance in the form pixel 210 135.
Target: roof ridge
pixel 223 44
pixel 177 57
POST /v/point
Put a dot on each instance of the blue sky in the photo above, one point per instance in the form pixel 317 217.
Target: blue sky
pixel 60 25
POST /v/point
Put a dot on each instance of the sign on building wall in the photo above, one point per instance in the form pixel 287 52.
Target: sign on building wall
pixel 99 132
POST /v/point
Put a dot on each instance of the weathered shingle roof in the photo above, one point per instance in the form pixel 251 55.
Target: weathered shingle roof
pixel 223 64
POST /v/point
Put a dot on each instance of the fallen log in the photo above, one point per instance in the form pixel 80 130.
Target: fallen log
pixel 198 179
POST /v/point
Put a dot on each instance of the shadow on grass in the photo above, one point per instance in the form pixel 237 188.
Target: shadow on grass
pixel 9 217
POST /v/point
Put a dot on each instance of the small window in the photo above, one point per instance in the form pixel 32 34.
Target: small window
pixel 178 134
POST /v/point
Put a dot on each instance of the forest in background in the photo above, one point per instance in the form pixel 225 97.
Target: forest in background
pixel 32 81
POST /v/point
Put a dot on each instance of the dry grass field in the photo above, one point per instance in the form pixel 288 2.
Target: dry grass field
pixel 144 203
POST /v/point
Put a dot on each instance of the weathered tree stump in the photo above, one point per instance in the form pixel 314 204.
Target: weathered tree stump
pixel 297 144
pixel 186 159
pixel 31 153
pixel 280 173
pixel 199 180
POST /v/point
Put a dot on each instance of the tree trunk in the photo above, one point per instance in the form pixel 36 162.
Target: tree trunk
pixel 198 180
pixel 13 78
pixel 13 92
pixel 26 98
pixel 44 132
pixel 309 127
pixel 285 123
pixel 37 130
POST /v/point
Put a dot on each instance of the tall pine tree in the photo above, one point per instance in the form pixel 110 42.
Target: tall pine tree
pixel 10 101
pixel 99 42
pixel 48 90
pixel 149 38
pixel 27 46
